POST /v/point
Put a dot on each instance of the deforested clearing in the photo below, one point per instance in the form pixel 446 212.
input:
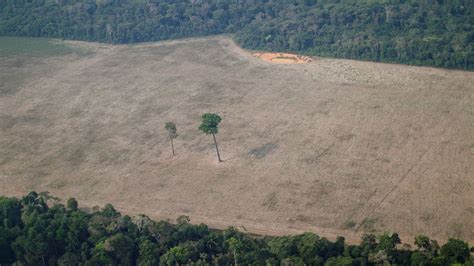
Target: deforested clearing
pixel 283 58
pixel 337 147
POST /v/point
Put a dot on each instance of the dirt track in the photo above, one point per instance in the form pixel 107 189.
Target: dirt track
pixel 333 146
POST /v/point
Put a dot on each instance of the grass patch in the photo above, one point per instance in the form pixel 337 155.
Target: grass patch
pixel 35 47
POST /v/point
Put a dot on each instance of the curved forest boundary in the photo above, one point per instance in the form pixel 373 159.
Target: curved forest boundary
pixel 432 33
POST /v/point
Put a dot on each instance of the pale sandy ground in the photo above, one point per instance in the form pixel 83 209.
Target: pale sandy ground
pixel 283 58
pixel 336 147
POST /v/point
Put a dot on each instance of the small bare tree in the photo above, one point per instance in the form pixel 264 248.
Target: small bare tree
pixel 172 133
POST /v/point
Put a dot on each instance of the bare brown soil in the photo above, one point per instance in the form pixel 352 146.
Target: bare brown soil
pixel 337 147
pixel 283 58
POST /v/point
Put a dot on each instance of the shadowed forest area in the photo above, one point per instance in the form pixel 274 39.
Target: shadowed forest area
pixel 37 230
pixel 431 32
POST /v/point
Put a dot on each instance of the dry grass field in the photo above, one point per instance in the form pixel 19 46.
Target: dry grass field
pixel 336 147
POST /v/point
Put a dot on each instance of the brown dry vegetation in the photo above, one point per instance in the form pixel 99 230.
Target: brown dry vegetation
pixel 331 146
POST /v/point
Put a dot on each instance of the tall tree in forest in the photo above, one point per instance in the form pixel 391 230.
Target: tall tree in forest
pixel 234 246
pixel 172 133
pixel 210 126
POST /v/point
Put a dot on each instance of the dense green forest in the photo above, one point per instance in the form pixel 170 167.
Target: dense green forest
pixel 422 32
pixel 37 230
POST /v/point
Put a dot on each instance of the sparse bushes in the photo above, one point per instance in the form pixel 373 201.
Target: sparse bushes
pixel 31 233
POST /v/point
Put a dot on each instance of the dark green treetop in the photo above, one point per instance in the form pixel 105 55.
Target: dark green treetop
pixel 210 123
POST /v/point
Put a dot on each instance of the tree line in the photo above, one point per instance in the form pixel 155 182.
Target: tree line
pixel 427 32
pixel 38 230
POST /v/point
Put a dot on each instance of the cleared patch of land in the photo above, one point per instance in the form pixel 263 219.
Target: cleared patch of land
pixel 283 58
pixel 330 146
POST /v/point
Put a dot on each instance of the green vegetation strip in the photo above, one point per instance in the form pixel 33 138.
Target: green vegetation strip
pixel 37 230
pixel 35 47
pixel 433 33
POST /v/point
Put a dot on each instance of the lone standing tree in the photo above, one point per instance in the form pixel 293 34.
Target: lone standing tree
pixel 172 133
pixel 209 125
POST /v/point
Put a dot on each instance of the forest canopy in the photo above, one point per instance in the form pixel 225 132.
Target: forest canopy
pixel 37 230
pixel 429 32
